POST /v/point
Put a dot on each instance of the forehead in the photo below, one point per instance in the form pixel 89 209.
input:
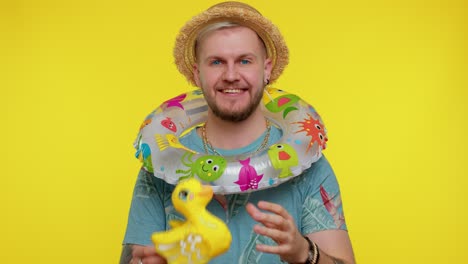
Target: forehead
pixel 233 39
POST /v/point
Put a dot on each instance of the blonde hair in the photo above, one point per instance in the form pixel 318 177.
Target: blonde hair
pixel 218 26
pixel 213 27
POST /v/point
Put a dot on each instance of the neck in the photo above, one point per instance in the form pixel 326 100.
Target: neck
pixel 232 135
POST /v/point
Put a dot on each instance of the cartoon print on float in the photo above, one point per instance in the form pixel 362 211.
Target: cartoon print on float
pixel 283 102
pixel 167 123
pixel 208 168
pixel 248 177
pixel 315 130
pixel 143 153
pixel 170 140
pixel 175 102
pixel 283 157
pixel 146 122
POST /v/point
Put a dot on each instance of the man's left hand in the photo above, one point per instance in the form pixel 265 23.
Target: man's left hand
pixel 279 226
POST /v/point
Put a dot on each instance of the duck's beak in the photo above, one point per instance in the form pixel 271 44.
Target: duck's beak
pixel 206 191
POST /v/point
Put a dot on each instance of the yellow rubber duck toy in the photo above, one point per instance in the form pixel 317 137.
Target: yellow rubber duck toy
pixel 202 236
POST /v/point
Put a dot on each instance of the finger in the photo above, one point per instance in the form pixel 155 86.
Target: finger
pixel 274 221
pixel 281 218
pixel 279 250
pixel 147 255
pixel 267 219
pixel 137 252
pixel 154 260
pixel 136 261
pixel 149 251
pixel 252 211
pixel 274 208
pixel 278 236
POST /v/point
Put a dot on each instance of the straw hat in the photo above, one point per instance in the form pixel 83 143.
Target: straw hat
pixel 239 13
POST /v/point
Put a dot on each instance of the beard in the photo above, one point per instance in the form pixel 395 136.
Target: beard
pixel 235 116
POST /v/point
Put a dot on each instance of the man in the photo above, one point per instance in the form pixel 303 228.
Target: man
pixel 232 52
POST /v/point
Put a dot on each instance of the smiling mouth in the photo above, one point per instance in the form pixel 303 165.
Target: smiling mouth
pixel 232 91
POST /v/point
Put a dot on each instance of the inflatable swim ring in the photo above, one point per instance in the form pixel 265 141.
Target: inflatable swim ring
pixel 158 147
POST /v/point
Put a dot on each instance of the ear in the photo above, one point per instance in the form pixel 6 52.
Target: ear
pixel 267 68
pixel 196 75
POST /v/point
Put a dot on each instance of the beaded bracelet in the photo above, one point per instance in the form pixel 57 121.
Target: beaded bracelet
pixel 314 250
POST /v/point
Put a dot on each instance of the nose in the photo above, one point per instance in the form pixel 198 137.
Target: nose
pixel 231 73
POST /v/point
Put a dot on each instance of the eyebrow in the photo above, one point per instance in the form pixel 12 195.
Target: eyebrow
pixel 248 54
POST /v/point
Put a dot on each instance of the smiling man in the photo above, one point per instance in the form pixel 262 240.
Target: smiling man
pixel 232 68
pixel 231 52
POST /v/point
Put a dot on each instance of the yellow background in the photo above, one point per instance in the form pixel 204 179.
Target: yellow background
pixel 78 77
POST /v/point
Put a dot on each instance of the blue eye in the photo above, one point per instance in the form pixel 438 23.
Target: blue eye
pixel 216 62
pixel 245 61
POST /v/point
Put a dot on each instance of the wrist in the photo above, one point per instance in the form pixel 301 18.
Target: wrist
pixel 313 254
pixel 303 256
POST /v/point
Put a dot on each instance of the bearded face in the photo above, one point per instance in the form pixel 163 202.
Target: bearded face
pixel 231 70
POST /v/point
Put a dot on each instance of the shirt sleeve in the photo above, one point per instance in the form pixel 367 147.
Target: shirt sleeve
pixel 147 210
pixel 322 208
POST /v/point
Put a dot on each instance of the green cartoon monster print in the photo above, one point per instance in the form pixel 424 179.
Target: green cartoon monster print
pixel 283 157
pixel 284 103
pixel 208 168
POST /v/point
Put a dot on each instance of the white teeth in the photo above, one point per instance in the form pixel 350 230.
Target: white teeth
pixel 232 90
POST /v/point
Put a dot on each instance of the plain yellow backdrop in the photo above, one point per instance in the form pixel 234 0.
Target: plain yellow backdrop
pixel 78 77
